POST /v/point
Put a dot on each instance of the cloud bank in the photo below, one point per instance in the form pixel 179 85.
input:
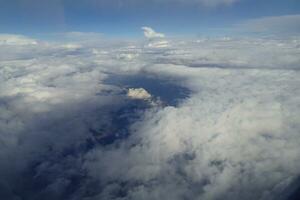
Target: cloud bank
pixel 9 39
pixel 69 131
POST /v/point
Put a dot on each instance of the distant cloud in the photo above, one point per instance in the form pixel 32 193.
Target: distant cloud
pixel 156 40
pixel 10 39
pixel 138 93
pixel 151 34
pixel 158 44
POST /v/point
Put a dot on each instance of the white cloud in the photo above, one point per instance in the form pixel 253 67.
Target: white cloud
pixel 151 34
pixel 223 137
pixel 9 39
pixel 138 93
pixel 156 40
pixel 158 44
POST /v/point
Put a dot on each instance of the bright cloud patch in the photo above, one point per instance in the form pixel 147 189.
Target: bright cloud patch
pixel 151 34
pixel 8 39
pixel 138 93
pixel 156 40
pixel 71 129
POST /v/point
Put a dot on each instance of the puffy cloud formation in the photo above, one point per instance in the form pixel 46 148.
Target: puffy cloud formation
pixel 151 34
pixel 138 93
pixel 69 131
pixel 156 40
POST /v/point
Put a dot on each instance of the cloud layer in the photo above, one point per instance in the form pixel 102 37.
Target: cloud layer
pixel 69 130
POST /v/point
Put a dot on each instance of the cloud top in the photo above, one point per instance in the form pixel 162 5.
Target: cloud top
pixel 149 33
pixel 138 93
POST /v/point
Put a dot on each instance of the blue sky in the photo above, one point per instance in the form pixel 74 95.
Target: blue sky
pixel 123 18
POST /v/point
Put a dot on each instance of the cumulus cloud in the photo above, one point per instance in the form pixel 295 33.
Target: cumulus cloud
pixel 138 93
pixel 156 40
pixel 71 127
pixel 149 33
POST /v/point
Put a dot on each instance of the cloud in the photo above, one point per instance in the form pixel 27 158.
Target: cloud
pixel 285 24
pixel 10 39
pixel 149 33
pixel 138 93
pixel 69 130
pixel 215 142
pixel 156 40
pixel 158 44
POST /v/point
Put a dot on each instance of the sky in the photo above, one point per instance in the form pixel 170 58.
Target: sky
pixel 123 18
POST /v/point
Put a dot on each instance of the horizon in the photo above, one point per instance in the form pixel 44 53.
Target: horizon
pixel 174 17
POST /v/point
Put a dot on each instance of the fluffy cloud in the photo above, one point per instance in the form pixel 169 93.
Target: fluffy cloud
pixel 151 34
pixel 138 93
pixel 69 130
pixel 156 40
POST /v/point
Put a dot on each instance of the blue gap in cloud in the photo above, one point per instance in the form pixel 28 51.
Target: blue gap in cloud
pixel 167 90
